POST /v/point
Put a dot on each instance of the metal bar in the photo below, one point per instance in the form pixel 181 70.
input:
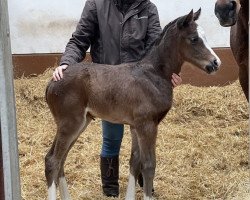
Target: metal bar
pixel 1 168
pixel 8 111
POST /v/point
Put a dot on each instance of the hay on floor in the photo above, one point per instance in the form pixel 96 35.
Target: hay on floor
pixel 202 146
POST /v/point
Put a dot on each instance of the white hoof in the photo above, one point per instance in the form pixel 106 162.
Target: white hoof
pixel 147 198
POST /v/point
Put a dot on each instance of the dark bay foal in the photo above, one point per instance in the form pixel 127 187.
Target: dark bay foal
pixel 138 94
pixel 235 13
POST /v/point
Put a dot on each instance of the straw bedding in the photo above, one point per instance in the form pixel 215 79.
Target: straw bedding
pixel 202 146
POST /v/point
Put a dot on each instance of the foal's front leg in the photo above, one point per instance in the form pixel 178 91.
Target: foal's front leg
pixel 134 166
pixel 146 133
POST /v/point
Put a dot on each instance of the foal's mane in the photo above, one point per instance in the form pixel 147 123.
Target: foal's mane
pixel 157 41
pixel 166 28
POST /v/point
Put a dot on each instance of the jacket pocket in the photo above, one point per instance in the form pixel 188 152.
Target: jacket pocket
pixel 139 26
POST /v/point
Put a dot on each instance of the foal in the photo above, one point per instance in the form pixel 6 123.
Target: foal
pixel 235 13
pixel 138 94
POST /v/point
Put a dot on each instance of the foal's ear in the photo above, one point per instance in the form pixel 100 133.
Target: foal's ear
pixel 185 20
pixel 197 14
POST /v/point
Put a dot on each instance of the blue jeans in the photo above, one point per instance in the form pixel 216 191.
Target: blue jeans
pixel 112 135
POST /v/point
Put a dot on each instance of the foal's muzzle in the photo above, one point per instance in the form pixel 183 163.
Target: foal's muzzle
pixel 213 66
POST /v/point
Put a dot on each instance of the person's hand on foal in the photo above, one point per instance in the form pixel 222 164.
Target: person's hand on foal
pixel 58 73
pixel 176 80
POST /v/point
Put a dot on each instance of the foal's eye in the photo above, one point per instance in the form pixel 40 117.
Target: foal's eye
pixel 194 40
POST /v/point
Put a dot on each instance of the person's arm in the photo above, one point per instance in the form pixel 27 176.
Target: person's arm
pixel 81 39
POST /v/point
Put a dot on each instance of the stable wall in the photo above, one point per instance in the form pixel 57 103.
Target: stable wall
pixel 40 31
pixel 46 26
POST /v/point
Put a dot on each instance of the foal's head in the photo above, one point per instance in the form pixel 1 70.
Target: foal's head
pixel 227 11
pixel 193 46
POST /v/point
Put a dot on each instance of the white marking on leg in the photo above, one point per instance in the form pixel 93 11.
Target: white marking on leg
pixel 203 37
pixel 52 191
pixel 63 188
pixel 147 198
pixel 130 195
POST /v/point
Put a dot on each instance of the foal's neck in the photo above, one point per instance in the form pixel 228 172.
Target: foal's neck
pixel 165 57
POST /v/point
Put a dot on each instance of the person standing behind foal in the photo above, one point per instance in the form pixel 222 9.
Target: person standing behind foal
pixel 117 31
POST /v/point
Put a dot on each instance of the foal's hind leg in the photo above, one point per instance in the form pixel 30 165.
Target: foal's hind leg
pixel 135 166
pixel 63 188
pixel 52 186
pixel 69 128
pixel 147 133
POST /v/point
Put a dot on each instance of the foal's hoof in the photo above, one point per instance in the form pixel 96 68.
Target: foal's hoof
pixel 111 193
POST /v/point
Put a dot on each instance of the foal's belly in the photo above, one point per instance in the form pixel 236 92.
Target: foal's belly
pixel 114 116
pixel 124 112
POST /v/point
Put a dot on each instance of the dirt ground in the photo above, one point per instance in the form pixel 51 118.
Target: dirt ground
pixel 202 146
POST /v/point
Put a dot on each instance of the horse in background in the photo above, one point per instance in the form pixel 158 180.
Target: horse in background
pixel 235 13
pixel 138 94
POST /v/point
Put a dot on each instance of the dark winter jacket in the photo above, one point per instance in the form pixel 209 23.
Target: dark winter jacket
pixel 114 37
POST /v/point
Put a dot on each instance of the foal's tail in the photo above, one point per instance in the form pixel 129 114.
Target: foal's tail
pixel 50 94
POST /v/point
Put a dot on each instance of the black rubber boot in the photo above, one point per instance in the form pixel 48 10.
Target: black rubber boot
pixel 110 175
pixel 140 182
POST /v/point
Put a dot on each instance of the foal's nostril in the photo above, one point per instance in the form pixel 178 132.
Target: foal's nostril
pixel 215 62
